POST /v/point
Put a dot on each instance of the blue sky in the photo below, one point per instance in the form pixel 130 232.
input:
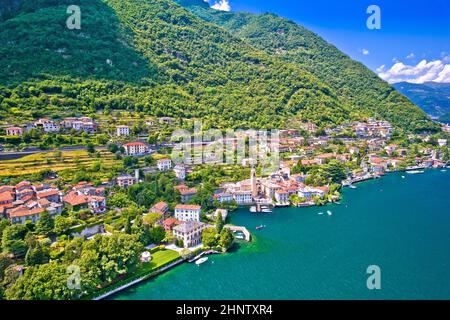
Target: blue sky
pixel 413 43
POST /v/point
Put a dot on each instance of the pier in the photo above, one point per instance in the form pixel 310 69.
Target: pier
pixel 244 230
pixel 202 254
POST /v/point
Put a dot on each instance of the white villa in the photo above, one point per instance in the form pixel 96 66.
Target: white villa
pixel 184 212
pixel 123 130
pixel 136 148
pixel 164 164
pixel 180 171
pixel 189 232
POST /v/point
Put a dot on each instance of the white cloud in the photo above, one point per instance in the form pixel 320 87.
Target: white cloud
pixel 424 71
pixel 445 56
pixel 222 5
pixel 365 52
pixel 410 56
pixel 381 68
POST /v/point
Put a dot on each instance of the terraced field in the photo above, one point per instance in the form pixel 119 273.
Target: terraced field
pixel 55 161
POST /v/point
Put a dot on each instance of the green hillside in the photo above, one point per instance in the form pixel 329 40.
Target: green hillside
pixel 356 86
pixel 157 57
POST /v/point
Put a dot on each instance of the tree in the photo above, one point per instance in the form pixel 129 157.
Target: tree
pixel 186 254
pixel 45 224
pixel 62 224
pixel 43 282
pixel 209 237
pixel 335 170
pixel 113 148
pixel 90 148
pixel 117 254
pixel 219 223
pixel 5 262
pixel 3 224
pixel 13 240
pixel 226 239
pixel 157 234
pixel 151 218
pixel 119 200
pixel 37 255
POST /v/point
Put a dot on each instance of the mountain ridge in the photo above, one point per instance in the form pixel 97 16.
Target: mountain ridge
pixel 163 59
pixel 431 97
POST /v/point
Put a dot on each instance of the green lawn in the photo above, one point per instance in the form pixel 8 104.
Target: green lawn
pixel 159 258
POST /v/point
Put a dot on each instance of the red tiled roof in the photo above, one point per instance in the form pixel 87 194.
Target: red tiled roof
pixel 184 192
pixel 6 196
pixel 75 199
pixel 181 187
pixel 187 207
pixel 134 144
pixel 160 206
pixel 170 222
pixel 47 193
pixel 23 184
pixel 23 212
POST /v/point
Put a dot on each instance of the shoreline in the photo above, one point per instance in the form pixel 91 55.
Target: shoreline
pixel 180 261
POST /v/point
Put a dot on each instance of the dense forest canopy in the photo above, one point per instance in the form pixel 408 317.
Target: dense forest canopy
pixel 231 69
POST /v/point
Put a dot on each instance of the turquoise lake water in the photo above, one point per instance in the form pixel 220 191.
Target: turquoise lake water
pixel 401 225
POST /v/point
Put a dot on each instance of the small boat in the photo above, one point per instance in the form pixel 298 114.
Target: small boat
pixel 352 186
pixel 338 203
pixel 403 177
pixel 200 261
pixel 415 171
pixel 320 213
pixel 260 227
pixel 253 209
pixel 329 212
pixel 239 237
pixel 443 170
pixel 266 210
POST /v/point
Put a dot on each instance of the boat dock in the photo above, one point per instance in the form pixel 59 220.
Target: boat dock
pixel 202 254
pixel 245 232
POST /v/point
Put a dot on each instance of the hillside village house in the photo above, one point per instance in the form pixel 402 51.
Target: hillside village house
pixel 47 125
pixel 223 197
pixel 125 180
pixel 123 130
pixel 14 131
pixel 25 201
pixel 442 142
pixel 170 223
pixel 187 194
pixel 309 192
pixel 164 164
pixel 282 196
pixel 136 149
pixel 161 208
pixel 184 212
pixel 180 171
pixel 189 232
pixel 76 201
pixel 85 124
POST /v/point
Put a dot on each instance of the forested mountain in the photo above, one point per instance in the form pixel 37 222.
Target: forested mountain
pixel 357 87
pixel 431 97
pixel 155 56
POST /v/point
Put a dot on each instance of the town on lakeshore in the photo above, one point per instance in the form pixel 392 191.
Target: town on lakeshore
pixel 108 183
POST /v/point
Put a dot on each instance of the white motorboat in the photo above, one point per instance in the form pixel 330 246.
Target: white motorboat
pixel 329 212
pixel 201 260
